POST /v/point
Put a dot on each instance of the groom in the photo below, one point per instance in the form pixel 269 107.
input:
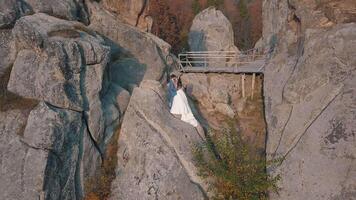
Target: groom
pixel 172 88
pixel 172 92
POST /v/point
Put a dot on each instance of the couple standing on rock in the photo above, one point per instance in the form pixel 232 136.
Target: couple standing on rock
pixel 178 103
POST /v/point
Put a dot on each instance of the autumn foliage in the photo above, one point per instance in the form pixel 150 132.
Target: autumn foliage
pixel 172 20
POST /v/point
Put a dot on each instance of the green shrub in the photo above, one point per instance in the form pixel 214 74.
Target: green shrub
pixel 216 3
pixel 237 171
pixel 243 9
pixel 196 7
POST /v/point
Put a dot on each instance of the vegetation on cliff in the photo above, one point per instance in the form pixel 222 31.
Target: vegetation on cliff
pixel 99 187
pixel 237 171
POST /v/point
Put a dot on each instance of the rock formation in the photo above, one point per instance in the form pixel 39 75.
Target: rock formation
pixel 62 65
pixel 11 10
pixel 155 151
pixel 219 103
pixel 66 89
pixel 159 164
pixel 211 31
pixel 310 93
pixel 142 55
pixel 70 68
pixel 133 12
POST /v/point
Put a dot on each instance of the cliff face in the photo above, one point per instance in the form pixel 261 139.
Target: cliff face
pixel 67 76
pixel 155 159
pixel 131 12
pixel 219 104
pixel 224 101
pixel 72 71
pixel 154 148
pixel 58 63
pixel 309 93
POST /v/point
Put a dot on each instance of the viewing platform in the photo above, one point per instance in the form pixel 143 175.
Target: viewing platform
pixel 246 62
pixel 232 62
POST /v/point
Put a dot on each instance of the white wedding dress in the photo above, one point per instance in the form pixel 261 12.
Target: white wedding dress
pixel 180 106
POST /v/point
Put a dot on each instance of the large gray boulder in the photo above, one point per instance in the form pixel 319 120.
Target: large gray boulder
pixel 310 114
pixel 142 55
pixel 52 152
pixel 155 151
pixel 310 94
pixel 56 134
pixel 73 10
pixel 12 154
pixel 48 158
pixel 56 62
pixel 133 12
pixel 212 31
pixel 11 10
pixel 7 51
pixel 63 63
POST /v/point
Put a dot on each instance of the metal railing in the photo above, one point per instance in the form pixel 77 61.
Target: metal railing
pixel 218 58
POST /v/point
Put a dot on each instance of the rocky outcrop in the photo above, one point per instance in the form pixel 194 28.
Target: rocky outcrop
pixel 60 64
pixel 219 103
pixel 82 82
pixel 7 50
pixel 212 31
pixel 142 55
pixel 11 10
pixel 310 93
pixel 73 10
pixel 43 159
pixel 56 135
pixel 133 12
pixel 13 155
pixel 79 83
pixel 64 66
pixel 155 151
pixel 46 77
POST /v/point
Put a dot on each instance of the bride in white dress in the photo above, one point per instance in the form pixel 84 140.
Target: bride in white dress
pixel 180 107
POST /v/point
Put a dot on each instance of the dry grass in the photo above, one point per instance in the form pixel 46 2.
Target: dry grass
pixel 99 187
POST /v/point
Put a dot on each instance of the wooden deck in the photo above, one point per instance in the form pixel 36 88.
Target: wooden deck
pixel 253 67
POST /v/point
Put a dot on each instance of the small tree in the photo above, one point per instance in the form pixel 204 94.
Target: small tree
pixel 216 3
pixel 238 173
pixel 196 7
pixel 243 9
